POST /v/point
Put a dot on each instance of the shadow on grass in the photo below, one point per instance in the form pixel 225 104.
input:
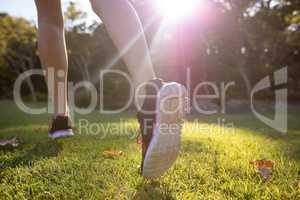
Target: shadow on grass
pixel 26 155
pixel 153 190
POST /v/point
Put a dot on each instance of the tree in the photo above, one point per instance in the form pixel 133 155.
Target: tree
pixel 17 52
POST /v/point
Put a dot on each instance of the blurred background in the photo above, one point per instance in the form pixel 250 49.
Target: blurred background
pixel 221 41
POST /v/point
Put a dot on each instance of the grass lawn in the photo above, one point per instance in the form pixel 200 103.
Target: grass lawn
pixel 213 163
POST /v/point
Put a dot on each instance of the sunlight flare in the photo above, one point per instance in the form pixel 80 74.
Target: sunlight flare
pixel 176 10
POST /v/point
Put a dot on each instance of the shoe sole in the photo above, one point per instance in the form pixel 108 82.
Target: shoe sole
pixel 61 134
pixel 165 144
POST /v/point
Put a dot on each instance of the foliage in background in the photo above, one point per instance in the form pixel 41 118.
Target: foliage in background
pixel 17 52
pixel 231 40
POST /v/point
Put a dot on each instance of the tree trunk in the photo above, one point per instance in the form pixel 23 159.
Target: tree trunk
pixel 28 80
pixel 246 81
pixel 31 89
pixel 30 86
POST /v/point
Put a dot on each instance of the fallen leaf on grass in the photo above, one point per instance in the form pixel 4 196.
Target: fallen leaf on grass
pixel 263 167
pixel 13 142
pixel 111 153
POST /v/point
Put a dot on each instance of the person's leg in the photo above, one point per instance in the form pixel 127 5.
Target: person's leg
pixel 53 56
pixel 126 31
pixel 52 51
pixel 159 150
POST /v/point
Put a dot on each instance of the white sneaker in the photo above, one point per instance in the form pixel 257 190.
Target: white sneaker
pixel 161 130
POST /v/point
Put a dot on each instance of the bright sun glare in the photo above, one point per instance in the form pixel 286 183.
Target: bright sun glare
pixel 176 10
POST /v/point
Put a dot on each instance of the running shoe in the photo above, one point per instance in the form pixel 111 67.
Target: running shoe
pixel 161 120
pixel 61 126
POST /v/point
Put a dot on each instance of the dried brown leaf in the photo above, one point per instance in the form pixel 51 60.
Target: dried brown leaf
pixel 14 142
pixel 112 153
pixel 264 167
